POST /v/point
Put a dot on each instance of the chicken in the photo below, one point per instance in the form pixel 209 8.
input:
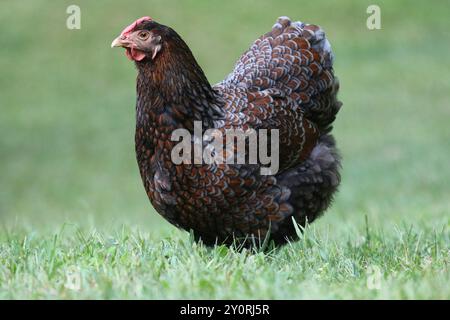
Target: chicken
pixel 285 81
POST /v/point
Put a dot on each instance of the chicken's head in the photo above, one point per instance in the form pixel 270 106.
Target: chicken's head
pixel 139 40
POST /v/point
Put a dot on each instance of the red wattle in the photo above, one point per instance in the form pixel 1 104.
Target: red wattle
pixel 135 54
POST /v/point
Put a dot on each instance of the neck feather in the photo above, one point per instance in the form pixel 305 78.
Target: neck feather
pixel 173 85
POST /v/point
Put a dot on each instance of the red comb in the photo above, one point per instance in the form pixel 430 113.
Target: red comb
pixel 131 27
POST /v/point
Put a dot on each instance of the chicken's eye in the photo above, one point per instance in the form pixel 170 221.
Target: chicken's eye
pixel 143 35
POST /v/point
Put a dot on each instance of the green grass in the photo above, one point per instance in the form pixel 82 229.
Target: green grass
pixel 71 201
pixel 128 264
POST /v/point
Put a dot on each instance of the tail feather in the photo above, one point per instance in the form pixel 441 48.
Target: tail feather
pixel 297 59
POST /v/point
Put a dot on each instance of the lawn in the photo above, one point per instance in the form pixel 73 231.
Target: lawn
pixel 75 221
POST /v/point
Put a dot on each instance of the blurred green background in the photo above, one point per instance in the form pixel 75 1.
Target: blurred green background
pixel 67 107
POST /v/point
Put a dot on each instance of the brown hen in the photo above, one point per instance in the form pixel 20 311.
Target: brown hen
pixel 285 81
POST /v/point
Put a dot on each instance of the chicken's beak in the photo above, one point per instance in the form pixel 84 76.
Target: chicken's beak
pixel 119 42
